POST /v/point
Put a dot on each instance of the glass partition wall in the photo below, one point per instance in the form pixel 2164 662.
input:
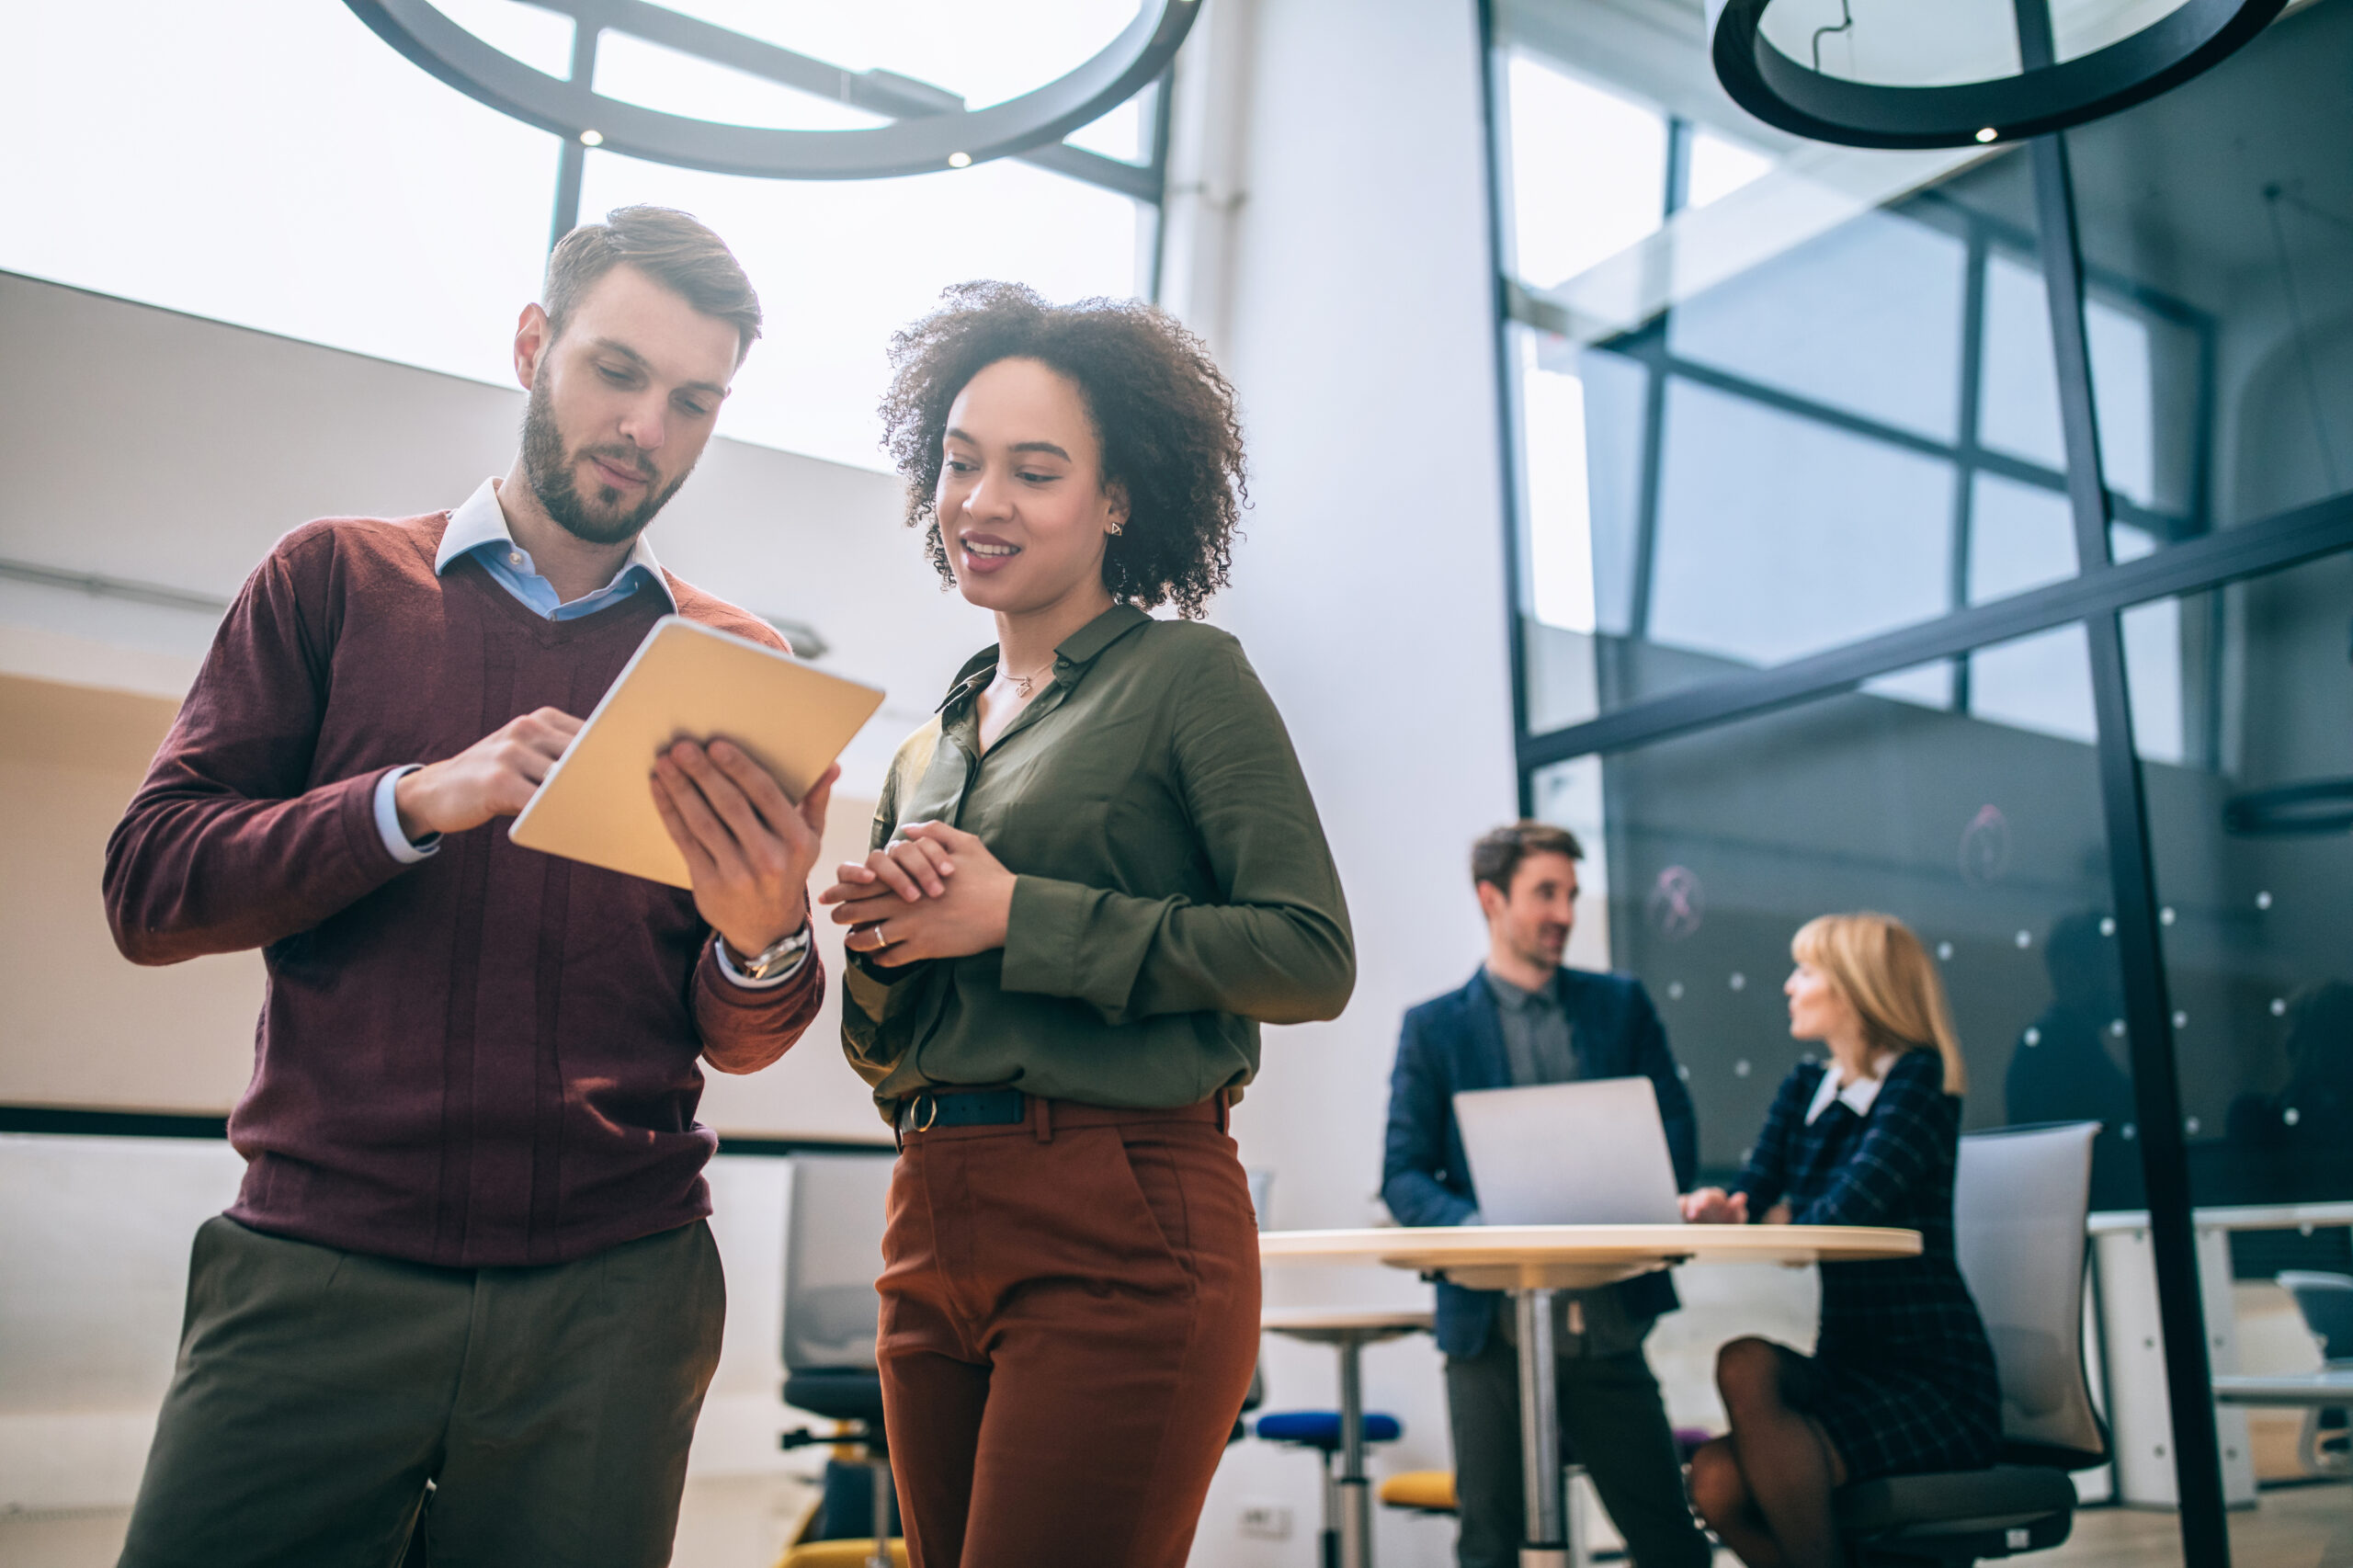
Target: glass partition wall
pixel 1965 534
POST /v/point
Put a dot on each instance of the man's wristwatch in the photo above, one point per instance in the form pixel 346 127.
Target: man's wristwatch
pixel 774 958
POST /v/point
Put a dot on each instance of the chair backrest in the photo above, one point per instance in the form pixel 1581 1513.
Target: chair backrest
pixel 2327 1301
pixel 2019 1197
pixel 833 1250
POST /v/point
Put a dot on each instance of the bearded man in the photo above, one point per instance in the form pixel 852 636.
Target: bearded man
pixel 1524 1019
pixel 469 1262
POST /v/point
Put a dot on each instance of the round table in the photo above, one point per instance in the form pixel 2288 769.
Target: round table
pixel 1534 1261
pixel 1349 1329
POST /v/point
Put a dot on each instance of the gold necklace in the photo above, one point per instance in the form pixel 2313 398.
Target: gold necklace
pixel 1021 684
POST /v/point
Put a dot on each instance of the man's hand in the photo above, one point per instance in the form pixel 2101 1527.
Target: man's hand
pixel 936 893
pixel 492 778
pixel 749 851
pixel 1711 1206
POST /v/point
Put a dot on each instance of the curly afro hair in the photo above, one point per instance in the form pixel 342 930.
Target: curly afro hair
pixel 1163 413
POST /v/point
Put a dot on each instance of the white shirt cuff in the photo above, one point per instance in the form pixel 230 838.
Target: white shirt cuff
pixel 719 952
pixel 388 821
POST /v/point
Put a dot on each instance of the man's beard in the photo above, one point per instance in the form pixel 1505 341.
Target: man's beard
pixel 1538 954
pixel 550 470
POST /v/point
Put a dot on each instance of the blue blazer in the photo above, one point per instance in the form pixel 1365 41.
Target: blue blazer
pixel 1456 1043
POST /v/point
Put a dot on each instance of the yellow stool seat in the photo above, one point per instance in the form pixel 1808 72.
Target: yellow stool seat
pixel 1426 1491
pixel 852 1554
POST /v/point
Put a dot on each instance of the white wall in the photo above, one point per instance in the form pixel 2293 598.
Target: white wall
pixel 167 450
pixel 1356 323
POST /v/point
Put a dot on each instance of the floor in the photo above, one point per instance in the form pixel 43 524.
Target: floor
pixel 2293 1526
pixel 728 1521
pixel 741 1522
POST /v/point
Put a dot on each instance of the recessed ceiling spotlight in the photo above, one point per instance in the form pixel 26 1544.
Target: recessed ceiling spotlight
pixel 959 160
pixel 1988 134
pixel 591 139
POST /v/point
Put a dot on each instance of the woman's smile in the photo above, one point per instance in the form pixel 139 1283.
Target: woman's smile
pixel 987 552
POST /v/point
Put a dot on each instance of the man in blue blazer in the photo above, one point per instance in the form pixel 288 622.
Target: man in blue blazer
pixel 1525 1019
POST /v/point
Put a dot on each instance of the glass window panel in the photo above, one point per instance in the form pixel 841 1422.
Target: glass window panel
pixel 1781 535
pixel 2080 26
pixel 1125 133
pixel 1721 166
pixel 2017 387
pixel 1866 319
pixel 2041 683
pixel 1589 172
pixel 2236 251
pixel 987 54
pixel 2020 537
pixel 1986 838
pixel 541 39
pixel 2147 360
pixel 1616 404
pixel 275 164
pixel 1556 491
pixel 1931 685
pixel 1897 42
pixel 2248 816
pixel 813 383
pixel 637 72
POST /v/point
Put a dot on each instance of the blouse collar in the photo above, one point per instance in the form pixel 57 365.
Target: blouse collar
pixel 1855 1096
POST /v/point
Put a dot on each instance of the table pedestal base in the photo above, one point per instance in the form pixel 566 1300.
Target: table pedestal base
pixel 1547 1542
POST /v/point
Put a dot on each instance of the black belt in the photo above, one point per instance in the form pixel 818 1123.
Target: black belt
pixel 976 1107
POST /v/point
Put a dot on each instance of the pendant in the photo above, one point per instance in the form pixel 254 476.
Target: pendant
pixel 1021 685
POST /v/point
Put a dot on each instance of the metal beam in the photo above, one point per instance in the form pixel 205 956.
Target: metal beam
pixel 1490 101
pixel 2321 528
pixel 2156 1083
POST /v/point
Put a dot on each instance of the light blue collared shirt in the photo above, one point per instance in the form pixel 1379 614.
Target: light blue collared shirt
pixel 478 528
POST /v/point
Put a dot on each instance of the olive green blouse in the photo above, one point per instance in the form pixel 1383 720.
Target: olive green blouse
pixel 1173 889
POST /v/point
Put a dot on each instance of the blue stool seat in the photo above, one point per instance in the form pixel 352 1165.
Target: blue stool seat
pixel 1321 1428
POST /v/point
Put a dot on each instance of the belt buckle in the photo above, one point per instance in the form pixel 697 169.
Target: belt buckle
pixel 926 1124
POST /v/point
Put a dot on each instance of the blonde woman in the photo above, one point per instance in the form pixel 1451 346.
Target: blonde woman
pixel 1901 1377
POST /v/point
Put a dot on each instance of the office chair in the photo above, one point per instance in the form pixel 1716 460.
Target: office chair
pixel 2327 1301
pixel 1320 1430
pixel 2019 1202
pixel 833 1250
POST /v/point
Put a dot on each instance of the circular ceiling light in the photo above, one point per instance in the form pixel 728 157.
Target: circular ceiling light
pixel 2043 94
pixel 929 128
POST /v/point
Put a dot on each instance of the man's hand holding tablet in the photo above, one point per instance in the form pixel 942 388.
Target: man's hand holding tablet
pixel 748 849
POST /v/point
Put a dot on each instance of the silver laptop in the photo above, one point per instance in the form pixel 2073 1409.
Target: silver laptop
pixel 1589 1153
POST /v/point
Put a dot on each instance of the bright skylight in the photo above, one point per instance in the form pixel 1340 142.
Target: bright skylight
pixel 274 164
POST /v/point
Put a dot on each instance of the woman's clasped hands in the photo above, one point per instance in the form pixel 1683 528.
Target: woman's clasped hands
pixel 933 893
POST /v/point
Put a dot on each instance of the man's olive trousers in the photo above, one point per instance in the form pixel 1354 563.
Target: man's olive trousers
pixel 318 1391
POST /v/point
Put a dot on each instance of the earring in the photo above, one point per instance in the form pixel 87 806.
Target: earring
pixel 1115 529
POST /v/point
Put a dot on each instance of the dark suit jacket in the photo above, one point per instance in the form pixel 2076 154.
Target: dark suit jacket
pixel 1456 1043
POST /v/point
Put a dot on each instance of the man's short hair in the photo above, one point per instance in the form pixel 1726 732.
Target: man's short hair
pixel 668 246
pixel 1496 858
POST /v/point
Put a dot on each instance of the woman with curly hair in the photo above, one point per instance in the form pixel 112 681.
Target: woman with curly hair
pixel 1901 1377
pixel 1095 874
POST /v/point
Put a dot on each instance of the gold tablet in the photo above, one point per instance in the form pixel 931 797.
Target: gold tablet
pixel 687 681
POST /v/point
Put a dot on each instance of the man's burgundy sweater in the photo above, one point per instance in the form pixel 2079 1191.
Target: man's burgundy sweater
pixel 488 1057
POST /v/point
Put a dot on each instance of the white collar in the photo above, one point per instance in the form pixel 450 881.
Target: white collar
pixel 482 522
pixel 1856 1097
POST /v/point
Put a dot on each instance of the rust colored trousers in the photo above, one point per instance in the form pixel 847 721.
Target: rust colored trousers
pixel 1070 1319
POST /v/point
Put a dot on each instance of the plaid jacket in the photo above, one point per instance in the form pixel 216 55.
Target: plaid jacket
pixel 1901 1341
